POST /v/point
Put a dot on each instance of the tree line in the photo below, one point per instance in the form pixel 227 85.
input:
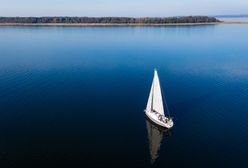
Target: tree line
pixel 113 20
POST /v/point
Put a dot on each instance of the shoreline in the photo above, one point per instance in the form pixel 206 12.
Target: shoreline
pixel 111 24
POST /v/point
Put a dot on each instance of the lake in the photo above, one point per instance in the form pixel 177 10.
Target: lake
pixel 233 19
pixel 75 96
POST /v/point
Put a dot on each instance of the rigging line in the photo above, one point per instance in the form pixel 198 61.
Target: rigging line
pixel 167 109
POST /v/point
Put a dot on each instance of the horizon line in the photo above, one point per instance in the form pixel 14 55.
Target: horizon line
pixel 221 15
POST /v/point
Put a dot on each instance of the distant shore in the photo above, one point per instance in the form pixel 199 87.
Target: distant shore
pixel 105 21
pixel 118 24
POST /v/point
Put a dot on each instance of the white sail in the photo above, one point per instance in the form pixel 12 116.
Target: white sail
pixel 157 96
pixel 155 101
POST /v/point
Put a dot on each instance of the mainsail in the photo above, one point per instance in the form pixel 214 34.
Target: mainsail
pixel 155 101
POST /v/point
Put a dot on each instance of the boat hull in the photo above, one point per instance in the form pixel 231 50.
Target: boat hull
pixel 154 119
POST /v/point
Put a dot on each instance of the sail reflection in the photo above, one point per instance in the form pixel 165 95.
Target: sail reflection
pixel 155 137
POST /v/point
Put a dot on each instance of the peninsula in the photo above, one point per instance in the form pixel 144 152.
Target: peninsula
pixel 107 21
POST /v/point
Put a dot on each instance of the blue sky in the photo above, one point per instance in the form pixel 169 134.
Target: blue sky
pixel 136 8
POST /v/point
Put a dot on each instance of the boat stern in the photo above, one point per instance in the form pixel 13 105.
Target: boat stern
pixel 168 124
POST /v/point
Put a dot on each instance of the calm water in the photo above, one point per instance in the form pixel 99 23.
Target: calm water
pixel 74 96
pixel 235 19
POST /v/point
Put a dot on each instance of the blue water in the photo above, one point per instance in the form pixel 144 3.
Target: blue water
pixel 235 19
pixel 74 96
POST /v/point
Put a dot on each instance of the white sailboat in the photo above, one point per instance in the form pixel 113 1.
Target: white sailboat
pixel 155 109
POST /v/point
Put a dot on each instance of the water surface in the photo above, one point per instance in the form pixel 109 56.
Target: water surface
pixel 74 96
pixel 234 19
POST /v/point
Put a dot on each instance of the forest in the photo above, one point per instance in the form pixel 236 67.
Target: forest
pixel 110 20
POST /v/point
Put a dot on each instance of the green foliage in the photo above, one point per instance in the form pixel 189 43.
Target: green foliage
pixel 110 20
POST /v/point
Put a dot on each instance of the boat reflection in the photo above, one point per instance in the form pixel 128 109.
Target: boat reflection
pixel 155 137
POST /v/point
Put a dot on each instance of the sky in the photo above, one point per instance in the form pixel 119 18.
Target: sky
pixel 130 8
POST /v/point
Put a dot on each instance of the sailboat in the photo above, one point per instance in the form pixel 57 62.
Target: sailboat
pixel 155 109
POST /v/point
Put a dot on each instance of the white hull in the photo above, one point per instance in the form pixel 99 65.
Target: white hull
pixel 154 118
